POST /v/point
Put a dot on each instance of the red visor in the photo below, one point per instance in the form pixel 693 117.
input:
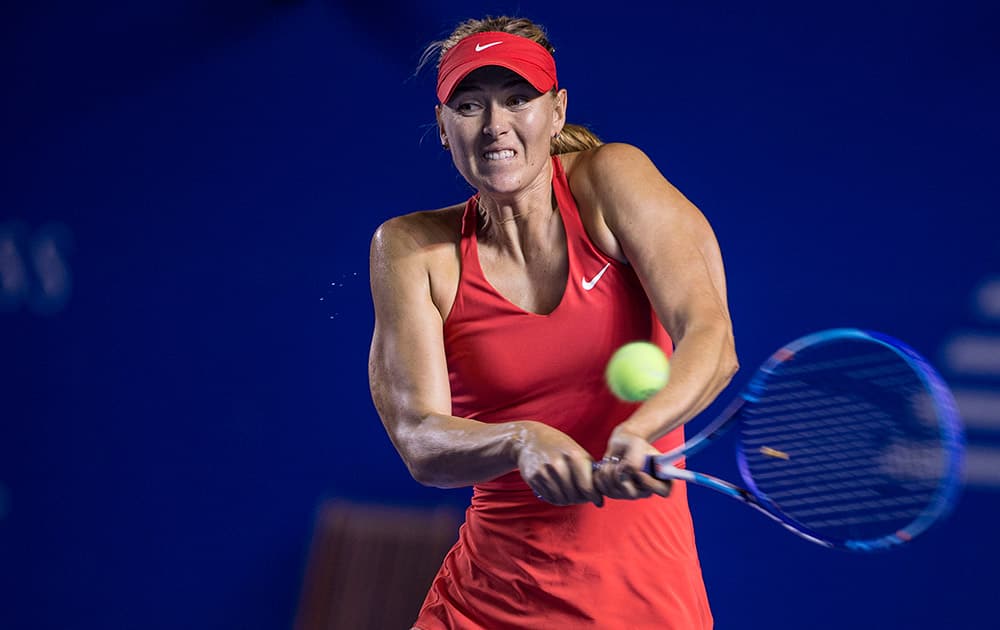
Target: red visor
pixel 518 54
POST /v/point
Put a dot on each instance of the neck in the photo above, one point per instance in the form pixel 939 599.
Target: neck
pixel 535 197
pixel 493 213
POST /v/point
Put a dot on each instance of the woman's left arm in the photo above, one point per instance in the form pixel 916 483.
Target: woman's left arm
pixel 674 252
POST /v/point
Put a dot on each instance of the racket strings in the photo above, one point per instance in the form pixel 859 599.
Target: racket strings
pixel 815 417
pixel 843 440
pixel 822 433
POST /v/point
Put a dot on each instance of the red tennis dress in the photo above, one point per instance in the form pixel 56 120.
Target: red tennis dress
pixel 520 562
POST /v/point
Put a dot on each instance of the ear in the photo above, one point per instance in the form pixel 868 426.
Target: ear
pixel 559 111
pixel 441 135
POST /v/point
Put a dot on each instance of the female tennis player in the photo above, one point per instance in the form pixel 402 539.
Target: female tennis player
pixel 494 320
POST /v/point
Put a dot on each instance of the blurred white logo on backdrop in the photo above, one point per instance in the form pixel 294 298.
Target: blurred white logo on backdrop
pixel 971 359
pixel 34 272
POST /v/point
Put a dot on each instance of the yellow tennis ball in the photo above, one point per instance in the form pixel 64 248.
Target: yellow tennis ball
pixel 637 370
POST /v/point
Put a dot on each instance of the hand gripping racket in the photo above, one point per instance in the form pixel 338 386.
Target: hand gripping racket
pixel 846 437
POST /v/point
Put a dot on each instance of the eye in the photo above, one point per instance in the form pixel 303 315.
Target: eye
pixel 517 100
pixel 467 106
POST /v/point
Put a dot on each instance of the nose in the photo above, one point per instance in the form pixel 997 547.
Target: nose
pixel 496 121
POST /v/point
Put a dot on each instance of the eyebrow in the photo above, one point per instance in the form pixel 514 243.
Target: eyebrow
pixel 472 86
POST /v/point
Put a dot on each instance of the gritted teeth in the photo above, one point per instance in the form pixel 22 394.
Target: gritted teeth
pixel 505 154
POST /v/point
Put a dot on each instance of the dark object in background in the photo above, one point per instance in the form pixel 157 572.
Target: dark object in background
pixel 370 567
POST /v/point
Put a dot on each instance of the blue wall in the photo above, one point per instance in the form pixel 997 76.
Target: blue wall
pixel 186 202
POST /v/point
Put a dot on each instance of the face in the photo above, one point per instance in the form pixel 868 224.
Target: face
pixel 499 128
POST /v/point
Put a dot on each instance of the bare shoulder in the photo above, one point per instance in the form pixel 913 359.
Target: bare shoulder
pixel 418 233
pixel 601 173
pixel 416 257
pixel 604 181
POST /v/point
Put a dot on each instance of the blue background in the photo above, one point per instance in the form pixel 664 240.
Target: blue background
pixel 209 174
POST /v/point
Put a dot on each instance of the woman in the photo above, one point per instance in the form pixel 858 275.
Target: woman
pixel 494 320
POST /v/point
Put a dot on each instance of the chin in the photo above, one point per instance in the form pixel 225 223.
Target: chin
pixel 499 176
pixel 500 185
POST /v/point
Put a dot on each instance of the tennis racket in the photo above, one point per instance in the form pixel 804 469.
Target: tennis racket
pixel 848 438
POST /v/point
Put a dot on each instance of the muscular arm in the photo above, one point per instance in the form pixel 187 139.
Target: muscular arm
pixel 673 250
pixel 408 376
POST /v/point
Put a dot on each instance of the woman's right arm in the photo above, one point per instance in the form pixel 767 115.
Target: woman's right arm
pixel 408 376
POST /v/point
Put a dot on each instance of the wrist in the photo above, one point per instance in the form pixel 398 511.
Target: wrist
pixel 636 427
pixel 521 435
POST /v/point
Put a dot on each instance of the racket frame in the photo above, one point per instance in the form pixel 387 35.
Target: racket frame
pixel 664 467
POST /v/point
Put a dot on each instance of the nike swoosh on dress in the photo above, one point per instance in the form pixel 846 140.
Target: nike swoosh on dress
pixel 589 284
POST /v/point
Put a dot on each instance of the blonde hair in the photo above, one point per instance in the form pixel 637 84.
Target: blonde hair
pixel 572 137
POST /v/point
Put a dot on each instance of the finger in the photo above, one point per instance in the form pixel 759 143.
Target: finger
pixel 583 478
pixel 578 483
pixel 616 483
pixel 601 480
pixel 606 486
pixel 630 490
pixel 607 465
pixel 634 459
pixel 612 456
pixel 546 490
pixel 652 484
pixel 630 480
pixel 636 465
pixel 540 493
pixel 557 490
pixel 605 480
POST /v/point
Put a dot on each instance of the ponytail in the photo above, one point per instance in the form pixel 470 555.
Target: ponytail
pixel 574 138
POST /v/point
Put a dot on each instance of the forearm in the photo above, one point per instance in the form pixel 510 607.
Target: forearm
pixel 703 363
pixel 449 452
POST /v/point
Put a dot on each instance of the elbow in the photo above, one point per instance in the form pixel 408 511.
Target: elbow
pixel 418 466
pixel 723 347
pixel 433 479
pixel 730 367
pixel 422 473
pixel 729 363
pixel 421 476
pixel 426 469
pixel 415 448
